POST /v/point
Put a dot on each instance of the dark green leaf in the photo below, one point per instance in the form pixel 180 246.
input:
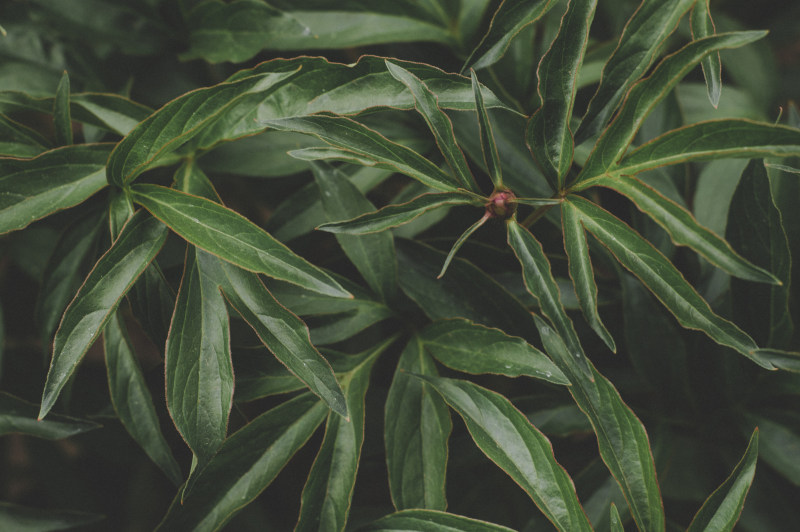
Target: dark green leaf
pixel 25 519
pixel 703 26
pixel 778 443
pixel 112 276
pixel 615 523
pixel 416 429
pixel 19 417
pixel 430 521
pixel 263 155
pixel 488 146
pixel 55 180
pixel 18 140
pixel 460 242
pixel 232 237
pixel 62 120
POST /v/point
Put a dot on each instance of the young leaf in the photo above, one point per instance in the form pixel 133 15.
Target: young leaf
pixel 778 441
pixel 722 509
pixel 465 346
pixel 55 180
pixel 416 429
pixel 245 465
pixel 112 276
pixel 703 26
pixel 488 146
pixel 438 122
pixel 18 416
pixel 132 400
pixel 62 121
pixel 232 237
pixel 430 521
pixel 460 242
pixel 548 133
pixel 506 436
pixel 25 519
pixel 615 523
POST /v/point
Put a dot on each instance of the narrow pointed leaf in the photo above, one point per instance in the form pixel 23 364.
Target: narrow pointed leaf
pixel 427 105
pixel 55 180
pixel 703 26
pixel 18 140
pixel 722 509
pixel 430 521
pixel 352 136
pixel 540 282
pixel 98 297
pixel 662 278
pixel 548 133
pixel 395 215
pixel 488 146
pixel 460 242
pixel 232 237
pixel 62 120
pixel 417 426
pixel 778 442
pixel 282 332
pixel 25 519
pixel 684 229
pixel 615 523
pixel 580 270
pixel 132 400
pixel 18 416
pixel 506 436
pixel 245 465
pixel 466 346
pixel 640 42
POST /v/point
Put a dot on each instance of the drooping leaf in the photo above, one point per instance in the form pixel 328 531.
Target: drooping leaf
pixel 132 400
pixel 55 180
pixel 232 237
pixel 460 242
pixel 466 346
pixel 506 436
pixel 245 465
pixel 62 120
pixel 18 416
pixel 26 519
pixel 416 429
pixel 703 26
pixel 430 521
pixel 98 297
pixel 488 145
pixel 722 509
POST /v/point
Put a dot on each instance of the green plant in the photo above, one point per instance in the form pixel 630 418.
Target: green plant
pixel 181 246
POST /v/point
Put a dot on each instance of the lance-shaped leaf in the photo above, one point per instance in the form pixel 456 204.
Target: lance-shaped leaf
pixel 55 180
pixel 175 123
pixel 662 278
pixel 232 237
pixel 26 519
pixel 427 105
pixel 779 440
pixel 18 416
pixel 540 282
pixel 580 270
pixel 100 294
pixel 460 242
pixel 417 426
pixel 641 40
pixel 395 215
pixel 615 523
pixel 488 145
pixel 132 400
pixel 465 346
pixel 62 119
pixel 18 140
pixel 722 509
pixel 246 463
pixel 509 19
pixel 282 332
pixel 621 437
pixel 506 436
pixel 430 521
pixel 364 142
pixel 703 26
pixel 716 139
pixel 372 255
pixel 548 133
pixel 645 95
pixel 326 498
pixel 684 229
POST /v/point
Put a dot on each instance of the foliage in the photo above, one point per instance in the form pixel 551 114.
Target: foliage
pixel 227 224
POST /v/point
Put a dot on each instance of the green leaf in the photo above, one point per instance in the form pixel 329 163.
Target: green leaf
pixel 488 146
pixel 232 237
pixel 25 519
pixel 326 498
pixel 19 417
pixel 506 436
pixel 661 278
pixel 509 19
pixel 246 463
pixel 427 105
pixel 364 142
pixel 465 346
pixel 62 121
pixel 722 509
pixel 98 297
pixel 18 140
pixel 779 442
pixel 716 139
pixel 703 26
pixel 548 133
pixel 540 282
pixel 132 400
pixel 615 523
pixel 263 155
pixel 430 521
pixel 641 40
pixel 55 180
pixel 460 242
pixel 417 426
pixel 372 255
pixel 684 229
pixel 395 215
pixel 283 333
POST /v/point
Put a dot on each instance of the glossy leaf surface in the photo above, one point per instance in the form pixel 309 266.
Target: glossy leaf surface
pixel 62 119
pixel 430 521
pixel 703 26
pixel 488 146
pixel 18 416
